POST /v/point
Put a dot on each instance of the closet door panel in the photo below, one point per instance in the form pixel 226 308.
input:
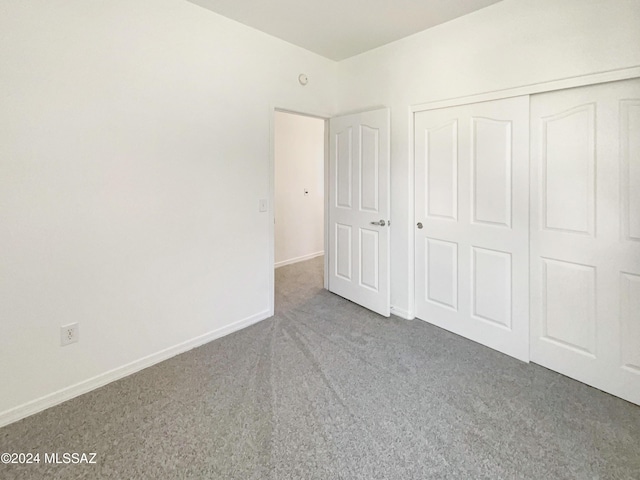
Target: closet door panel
pixel 585 236
pixel 472 223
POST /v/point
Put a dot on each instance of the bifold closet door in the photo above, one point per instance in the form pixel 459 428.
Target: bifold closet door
pixel 472 222
pixel 585 235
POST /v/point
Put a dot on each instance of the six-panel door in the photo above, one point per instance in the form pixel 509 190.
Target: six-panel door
pixel 359 209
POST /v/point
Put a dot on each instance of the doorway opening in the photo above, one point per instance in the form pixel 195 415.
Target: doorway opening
pixel 299 198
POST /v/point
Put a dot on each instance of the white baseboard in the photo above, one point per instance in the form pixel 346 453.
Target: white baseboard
pixel 55 398
pixel 298 259
pixel 399 312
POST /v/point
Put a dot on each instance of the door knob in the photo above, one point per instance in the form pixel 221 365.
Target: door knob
pixel 380 223
pixel 419 225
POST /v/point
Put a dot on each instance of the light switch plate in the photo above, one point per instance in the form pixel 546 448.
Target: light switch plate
pixel 263 205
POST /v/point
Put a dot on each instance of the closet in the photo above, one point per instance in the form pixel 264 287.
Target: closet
pixel 527 234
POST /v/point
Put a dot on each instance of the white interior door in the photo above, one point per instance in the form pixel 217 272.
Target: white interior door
pixel 359 209
pixel 472 222
pixel 585 235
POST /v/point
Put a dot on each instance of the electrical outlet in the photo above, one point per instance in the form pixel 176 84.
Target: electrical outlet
pixel 68 334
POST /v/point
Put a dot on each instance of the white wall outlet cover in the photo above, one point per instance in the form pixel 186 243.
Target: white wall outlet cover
pixel 303 79
pixel 69 334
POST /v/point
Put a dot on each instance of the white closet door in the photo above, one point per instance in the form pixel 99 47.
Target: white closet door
pixel 585 235
pixel 359 205
pixel 472 222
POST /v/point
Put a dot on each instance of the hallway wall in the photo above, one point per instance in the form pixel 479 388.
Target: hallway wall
pixel 299 166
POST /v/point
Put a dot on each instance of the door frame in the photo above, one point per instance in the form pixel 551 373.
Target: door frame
pixel 325 117
pixel 530 89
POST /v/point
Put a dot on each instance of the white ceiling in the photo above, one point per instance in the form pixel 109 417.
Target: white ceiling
pixel 339 29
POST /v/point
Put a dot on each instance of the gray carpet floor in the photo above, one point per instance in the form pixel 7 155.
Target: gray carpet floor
pixel 328 390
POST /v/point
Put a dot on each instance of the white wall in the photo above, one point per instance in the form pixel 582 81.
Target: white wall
pixel 299 165
pixel 135 139
pixel 509 44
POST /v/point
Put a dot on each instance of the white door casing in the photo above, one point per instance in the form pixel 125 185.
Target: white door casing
pixel 585 235
pixel 358 199
pixel 472 201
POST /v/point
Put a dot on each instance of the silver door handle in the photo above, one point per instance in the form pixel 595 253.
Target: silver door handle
pixel 380 223
pixel 419 225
